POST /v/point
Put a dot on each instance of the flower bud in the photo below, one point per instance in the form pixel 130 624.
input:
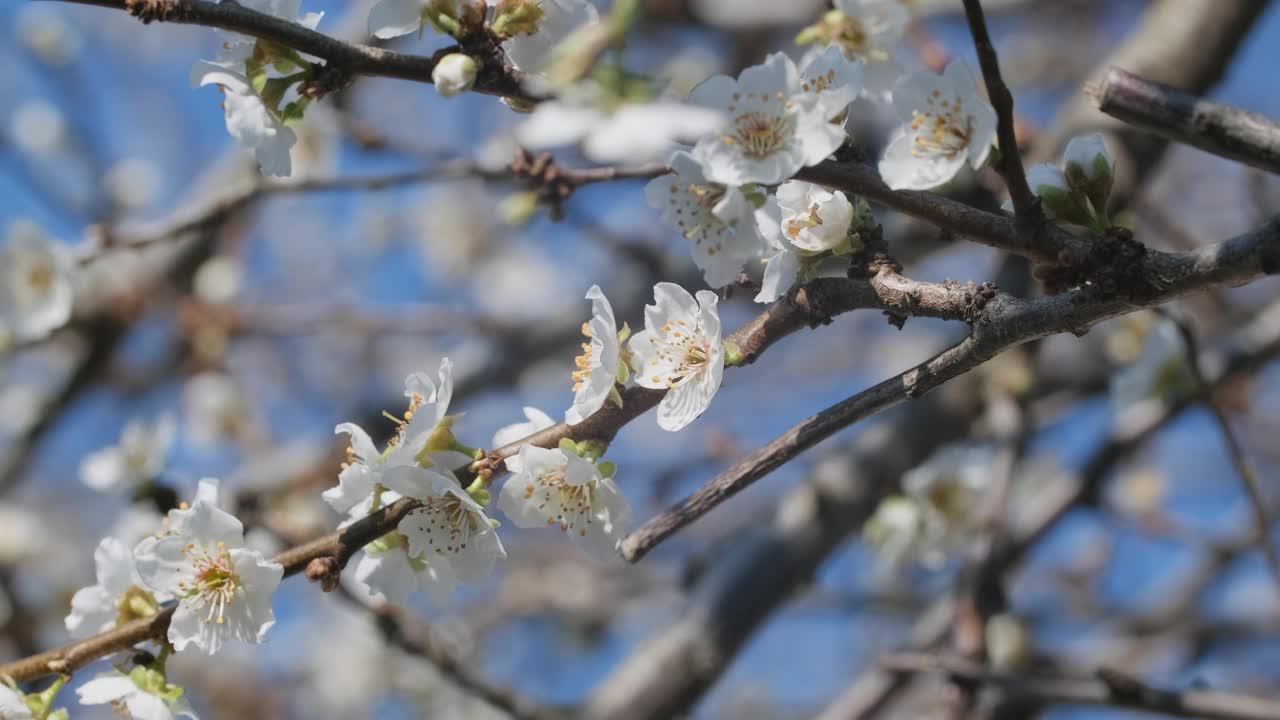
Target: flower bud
pixel 516 17
pixel 1088 170
pixel 455 73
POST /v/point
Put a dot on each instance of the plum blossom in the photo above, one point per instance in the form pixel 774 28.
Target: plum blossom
pixel 426 418
pixel 536 421
pixel 630 132
pixel 782 258
pixel 1160 370
pixel 599 365
pixel 717 219
pixel 223 589
pixel 36 289
pixel 557 488
pixel 813 217
pixel 776 126
pixel 250 98
pixel 385 572
pixel 939 507
pixel 137 459
pixel 535 53
pixel 680 351
pixel 831 80
pixel 867 30
pixel 450 527
pixel 143 694
pixel 12 706
pixel 944 123
pixel 117 598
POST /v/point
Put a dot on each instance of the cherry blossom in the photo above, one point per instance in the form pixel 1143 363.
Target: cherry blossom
pixel 944 123
pixel 813 217
pixel 679 351
pixel 557 488
pixel 867 30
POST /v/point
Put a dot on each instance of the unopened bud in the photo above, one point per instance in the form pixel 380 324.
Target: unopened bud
pixel 455 73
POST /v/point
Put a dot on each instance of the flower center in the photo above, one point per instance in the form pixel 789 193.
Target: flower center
pixel 570 504
pixel 801 222
pixel 216 580
pixel 759 134
pixel 450 523
pixel 134 604
pixel 583 361
pixel 686 352
pixel 40 277
pixel 945 129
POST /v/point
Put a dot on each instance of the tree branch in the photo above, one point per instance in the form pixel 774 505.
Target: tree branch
pixel 1110 689
pixel 1215 128
pixel 350 58
pixel 1025 205
pixel 1004 323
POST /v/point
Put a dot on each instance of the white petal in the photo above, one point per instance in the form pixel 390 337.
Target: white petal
pixel 901 170
pixel 555 124
pixel 207 524
pixel 93 610
pixel 106 688
pixel 393 18
pixel 145 706
pixel 162 563
pixel 537 421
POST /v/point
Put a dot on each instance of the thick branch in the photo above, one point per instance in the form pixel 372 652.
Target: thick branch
pixel 1004 323
pixel 1215 128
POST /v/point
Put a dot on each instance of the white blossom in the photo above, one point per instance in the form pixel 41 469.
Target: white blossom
pixel 455 73
pixel 384 572
pixel 393 18
pixel 556 488
pixel 143 694
pixel 536 421
pixel 450 527
pixel 138 458
pixel 1161 368
pixel 254 125
pixel 223 589
pixel 718 220
pixel 533 54
pixel 948 488
pixel 776 126
pixel 627 132
pixel 117 598
pixel 944 123
pixel 255 122
pixel 598 365
pixel 813 217
pixel 831 80
pixel 680 351
pixel 214 407
pixel 782 259
pixel 36 290
pixel 37 127
pixel 868 30
pixel 12 706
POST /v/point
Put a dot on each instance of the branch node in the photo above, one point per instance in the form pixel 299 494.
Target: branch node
pixel 149 11
pixel 325 570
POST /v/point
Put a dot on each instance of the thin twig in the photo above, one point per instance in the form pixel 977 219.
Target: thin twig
pixel 1109 688
pixel 1252 488
pixel 1025 205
